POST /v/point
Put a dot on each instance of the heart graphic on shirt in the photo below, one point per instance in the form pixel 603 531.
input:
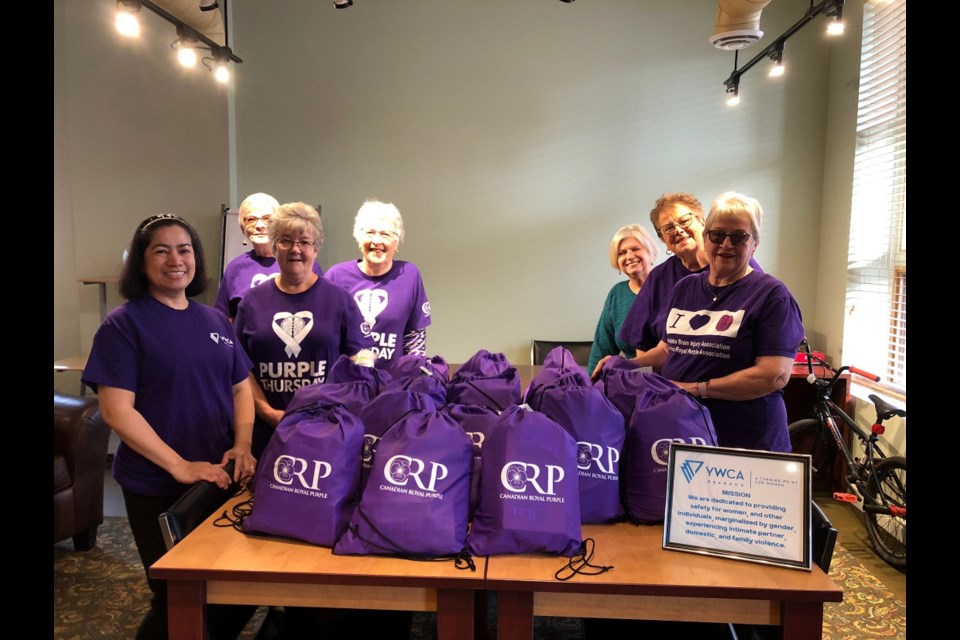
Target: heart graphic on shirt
pixel 371 303
pixel 698 321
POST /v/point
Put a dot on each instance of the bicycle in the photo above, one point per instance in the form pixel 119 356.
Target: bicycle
pixel 877 480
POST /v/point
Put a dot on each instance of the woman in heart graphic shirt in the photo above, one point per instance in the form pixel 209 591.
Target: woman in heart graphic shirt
pixel 388 293
pixel 295 326
pixel 731 333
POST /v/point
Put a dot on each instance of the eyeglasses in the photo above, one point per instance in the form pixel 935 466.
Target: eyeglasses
pixel 286 244
pixel 382 234
pixel 682 222
pixel 738 238
pixel 253 220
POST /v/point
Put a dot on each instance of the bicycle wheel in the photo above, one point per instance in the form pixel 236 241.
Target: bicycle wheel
pixel 809 436
pixel 888 534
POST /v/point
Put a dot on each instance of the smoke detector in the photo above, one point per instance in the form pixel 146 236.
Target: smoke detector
pixel 737 39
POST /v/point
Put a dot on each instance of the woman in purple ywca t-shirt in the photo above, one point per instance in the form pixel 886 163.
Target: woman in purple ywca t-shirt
pixel 389 293
pixel 172 382
pixel 731 333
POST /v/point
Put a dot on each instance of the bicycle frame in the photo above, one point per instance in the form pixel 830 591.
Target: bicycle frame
pixel 825 410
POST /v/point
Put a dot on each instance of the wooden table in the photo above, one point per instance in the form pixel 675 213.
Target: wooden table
pixel 223 566
pixel 651 583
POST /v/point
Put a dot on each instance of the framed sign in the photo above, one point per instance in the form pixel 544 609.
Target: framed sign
pixel 739 503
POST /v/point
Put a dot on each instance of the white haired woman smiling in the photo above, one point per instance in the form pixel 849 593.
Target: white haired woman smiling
pixel 632 252
pixel 731 333
pixel 389 293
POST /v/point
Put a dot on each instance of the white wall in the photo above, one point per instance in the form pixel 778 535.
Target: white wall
pixel 134 135
pixel 516 137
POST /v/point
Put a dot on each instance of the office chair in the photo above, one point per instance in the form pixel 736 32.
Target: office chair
pixel 194 507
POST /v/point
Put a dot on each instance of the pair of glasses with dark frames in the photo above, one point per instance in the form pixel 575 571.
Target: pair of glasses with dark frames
pixel 286 244
pixel 738 238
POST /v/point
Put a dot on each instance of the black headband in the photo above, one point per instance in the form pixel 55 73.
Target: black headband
pixel 160 217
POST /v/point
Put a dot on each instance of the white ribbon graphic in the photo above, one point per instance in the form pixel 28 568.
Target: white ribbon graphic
pixel 292 328
pixel 371 303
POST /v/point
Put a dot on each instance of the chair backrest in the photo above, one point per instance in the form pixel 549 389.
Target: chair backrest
pixel 193 507
pixel 579 348
pixel 823 538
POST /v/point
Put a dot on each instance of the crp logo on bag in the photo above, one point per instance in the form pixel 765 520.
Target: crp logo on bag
pixel 660 449
pixel 516 475
pixel 589 453
pixel 286 468
pixel 476 438
pixel 401 468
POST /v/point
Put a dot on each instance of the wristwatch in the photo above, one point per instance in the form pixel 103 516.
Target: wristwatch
pixel 702 388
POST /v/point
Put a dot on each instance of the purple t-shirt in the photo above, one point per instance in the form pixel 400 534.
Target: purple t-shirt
pixel 755 316
pixel 244 273
pixel 181 365
pixel 391 305
pixel 641 327
pixel 294 339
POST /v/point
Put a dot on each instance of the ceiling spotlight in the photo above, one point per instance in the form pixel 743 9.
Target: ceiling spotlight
pixel 733 90
pixel 777 56
pixel 221 72
pixel 208 5
pixel 186 54
pixel 342 4
pixel 126 21
pixel 835 26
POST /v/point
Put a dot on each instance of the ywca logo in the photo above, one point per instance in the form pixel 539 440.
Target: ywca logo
pixel 589 453
pixel 400 468
pixel 425 308
pixel 690 468
pixel 217 338
pixel 517 475
pixel 288 468
pixel 660 450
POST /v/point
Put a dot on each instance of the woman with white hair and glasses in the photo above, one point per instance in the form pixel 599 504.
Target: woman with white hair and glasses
pixel 632 253
pixel 731 333
pixel 257 265
pixel 389 293
pixel 296 325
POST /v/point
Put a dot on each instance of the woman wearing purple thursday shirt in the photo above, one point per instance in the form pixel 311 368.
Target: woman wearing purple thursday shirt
pixel 731 333
pixel 295 325
pixel 172 382
pixel 388 293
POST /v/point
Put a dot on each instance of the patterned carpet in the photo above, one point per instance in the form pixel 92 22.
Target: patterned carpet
pixel 102 594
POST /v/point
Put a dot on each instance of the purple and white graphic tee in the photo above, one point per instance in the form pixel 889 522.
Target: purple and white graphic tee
pixel 391 305
pixel 755 316
pixel 649 309
pixel 244 273
pixel 294 338
pixel 181 365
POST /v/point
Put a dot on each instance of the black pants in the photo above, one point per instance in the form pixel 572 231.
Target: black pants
pixel 224 622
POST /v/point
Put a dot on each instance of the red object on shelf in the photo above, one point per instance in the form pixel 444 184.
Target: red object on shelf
pixel 801 357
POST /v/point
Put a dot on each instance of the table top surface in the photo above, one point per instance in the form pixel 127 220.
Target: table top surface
pixel 73 363
pixel 223 553
pixel 98 279
pixel 643 567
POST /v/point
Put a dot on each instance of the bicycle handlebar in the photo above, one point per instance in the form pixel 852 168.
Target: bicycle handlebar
pixel 812 378
pixel 865 374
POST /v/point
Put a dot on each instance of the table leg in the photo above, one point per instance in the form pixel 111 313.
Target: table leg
pixel 185 610
pixel 103 301
pixel 802 620
pixel 455 614
pixel 480 612
pixel 514 615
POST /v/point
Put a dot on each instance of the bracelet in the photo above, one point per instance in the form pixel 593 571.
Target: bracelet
pixel 702 388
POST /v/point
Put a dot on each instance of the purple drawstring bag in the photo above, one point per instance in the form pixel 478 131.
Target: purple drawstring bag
pixel 308 478
pixel 621 381
pixel 599 429
pixel 423 382
pixel 412 364
pixel 383 412
pixel 487 379
pixel 347 383
pixel 663 414
pixel 529 498
pixel 417 496
pixel 476 421
pixel 559 363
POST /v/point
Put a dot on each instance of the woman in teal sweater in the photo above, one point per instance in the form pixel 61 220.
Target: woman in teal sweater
pixel 632 252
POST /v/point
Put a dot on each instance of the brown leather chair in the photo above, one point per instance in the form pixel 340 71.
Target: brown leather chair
pixel 79 458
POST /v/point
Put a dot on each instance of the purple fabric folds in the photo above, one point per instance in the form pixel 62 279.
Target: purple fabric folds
pixel 486 379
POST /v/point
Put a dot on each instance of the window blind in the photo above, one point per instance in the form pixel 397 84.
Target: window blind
pixel 875 335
